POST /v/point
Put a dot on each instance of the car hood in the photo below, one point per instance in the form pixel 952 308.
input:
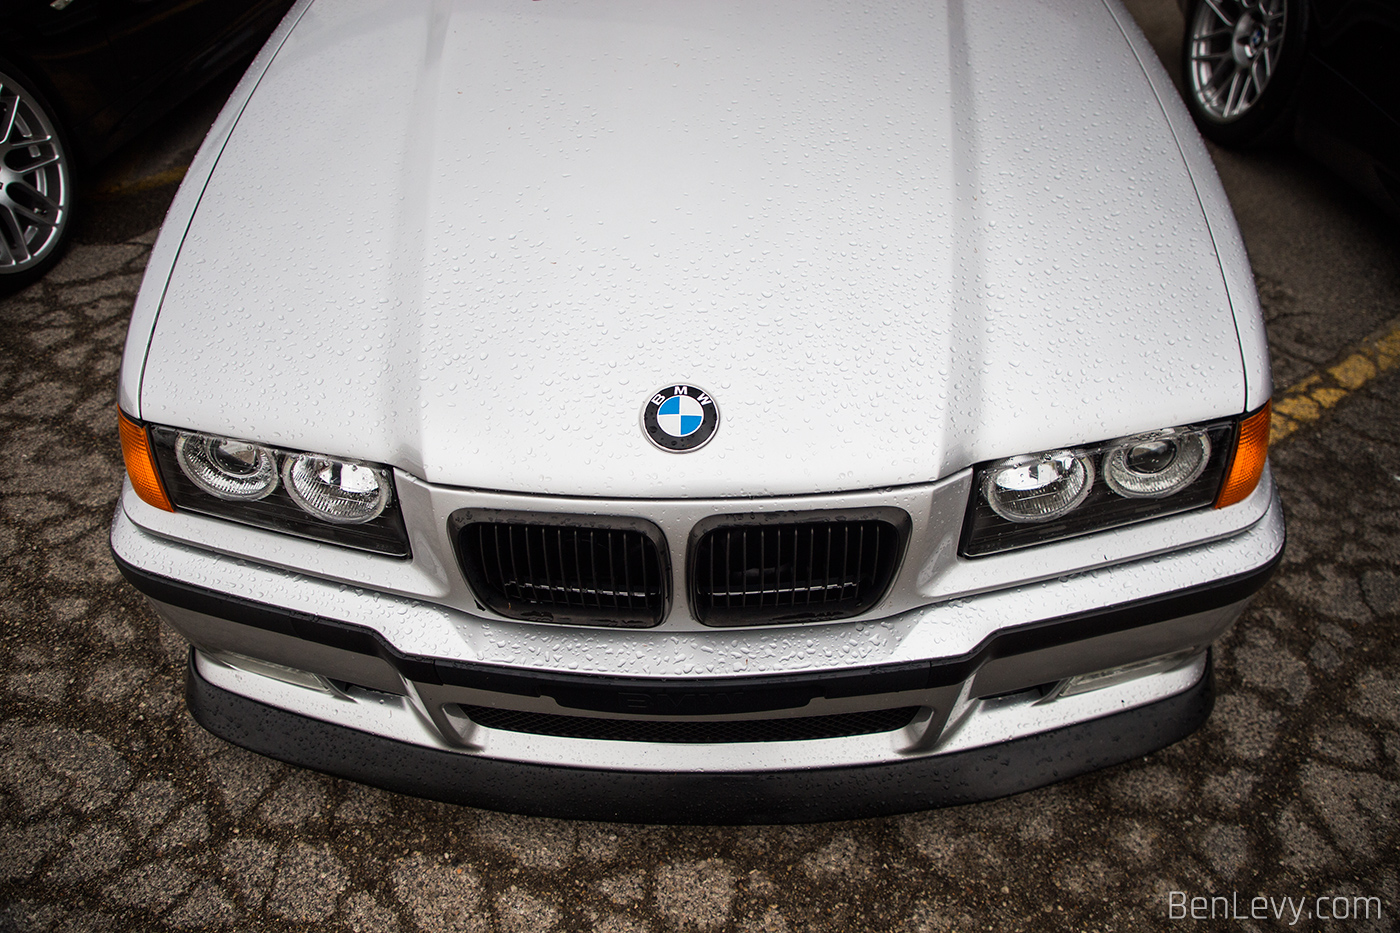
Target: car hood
pixel 472 239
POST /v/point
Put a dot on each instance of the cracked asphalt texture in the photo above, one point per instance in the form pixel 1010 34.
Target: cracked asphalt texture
pixel 118 813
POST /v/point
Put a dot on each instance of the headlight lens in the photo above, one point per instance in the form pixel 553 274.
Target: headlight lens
pixel 338 491
pixel 310 495
pixel 226 468
pixel 1038 487
pixel 1152 466
pixel 1055 494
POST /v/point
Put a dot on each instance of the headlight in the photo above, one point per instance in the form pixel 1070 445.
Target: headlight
pixel 336 490
pixel 228 469
pixel 1035 498
pixel 1038 487
pixel 1152 466
pixel 310 495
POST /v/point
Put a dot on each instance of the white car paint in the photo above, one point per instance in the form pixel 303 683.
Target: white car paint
pixel 470 239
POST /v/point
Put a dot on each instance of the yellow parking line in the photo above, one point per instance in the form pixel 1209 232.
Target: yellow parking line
pixel 1304 402
pixel 158 180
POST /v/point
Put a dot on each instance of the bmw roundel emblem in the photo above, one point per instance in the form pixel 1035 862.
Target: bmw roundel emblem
pixel 680 418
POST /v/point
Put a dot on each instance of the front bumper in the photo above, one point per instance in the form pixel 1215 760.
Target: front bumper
pixel 807 795
pixel 389 688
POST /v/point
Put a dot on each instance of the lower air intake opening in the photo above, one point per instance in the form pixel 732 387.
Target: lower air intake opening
pixel 693 732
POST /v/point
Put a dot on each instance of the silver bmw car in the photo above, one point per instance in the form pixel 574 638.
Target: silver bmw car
pixel 651 410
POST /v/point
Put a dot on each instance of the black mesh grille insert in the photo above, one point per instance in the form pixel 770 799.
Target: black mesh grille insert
pixel 594 575
pixel 750 574
pixel 708 731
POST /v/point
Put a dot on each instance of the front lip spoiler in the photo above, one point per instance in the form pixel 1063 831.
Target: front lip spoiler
pixel 703 696
pixel 802 796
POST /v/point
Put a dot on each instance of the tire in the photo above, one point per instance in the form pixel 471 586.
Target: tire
pixel 36 182
pixel 1242 61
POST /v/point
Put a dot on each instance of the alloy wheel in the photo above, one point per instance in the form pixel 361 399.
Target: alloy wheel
pixel 1234 51
pixel 35 180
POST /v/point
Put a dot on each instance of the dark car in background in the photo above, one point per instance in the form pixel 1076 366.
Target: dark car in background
pixel 78 78
pixel 1323 73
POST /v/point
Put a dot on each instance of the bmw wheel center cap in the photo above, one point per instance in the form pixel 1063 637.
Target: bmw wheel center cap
pixel 680 418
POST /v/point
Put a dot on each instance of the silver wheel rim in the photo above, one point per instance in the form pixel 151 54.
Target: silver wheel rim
pixel 34 181
pixel 1234 52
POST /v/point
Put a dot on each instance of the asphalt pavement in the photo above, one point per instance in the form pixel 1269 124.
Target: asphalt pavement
pixel 118 813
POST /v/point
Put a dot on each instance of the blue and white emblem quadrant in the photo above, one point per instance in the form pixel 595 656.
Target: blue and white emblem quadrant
pixel 680 416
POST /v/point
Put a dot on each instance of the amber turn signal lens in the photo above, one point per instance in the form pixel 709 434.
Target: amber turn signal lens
pixel 1248 463
pixel 140 464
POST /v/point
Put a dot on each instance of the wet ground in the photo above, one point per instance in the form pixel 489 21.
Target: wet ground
pixel 118 813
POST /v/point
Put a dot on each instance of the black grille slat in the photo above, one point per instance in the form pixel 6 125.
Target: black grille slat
pixel 627 582
pixel 569 596
pixel 693 731
pixel 792 593
pixel 859 547
pixel 714 580
pixel 575 581
pixel 513 583
pixel 547 592
pixel 600 590
pixel 811 557
pixel 565 572
pixel 612 570
pixel 767 571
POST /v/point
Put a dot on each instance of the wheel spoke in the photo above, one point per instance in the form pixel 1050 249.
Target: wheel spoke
pixel 7 145
pixel 1215 8
pixel 1209 56
pixel 1221 77
pixel 1249 90
pixel 45 203
pixel 39 162
pixel 1236 85
pixel 7 116
pixel 32 216
pixel 12 237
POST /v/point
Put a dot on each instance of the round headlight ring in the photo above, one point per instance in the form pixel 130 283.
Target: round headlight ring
pixel 1039 487
pixel 225 468
pixel 343 492
pixel 1156 465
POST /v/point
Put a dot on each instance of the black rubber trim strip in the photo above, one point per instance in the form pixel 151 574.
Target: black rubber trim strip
pixel 304 625
pixel 700 797
pixel 707 696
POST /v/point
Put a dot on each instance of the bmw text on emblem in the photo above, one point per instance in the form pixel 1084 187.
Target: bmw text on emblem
pixel 680 418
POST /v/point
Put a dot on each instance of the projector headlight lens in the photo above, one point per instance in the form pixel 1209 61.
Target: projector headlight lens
pixel 1038 487
pixel 228 469
pixel 1152 466
pixel 339 491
